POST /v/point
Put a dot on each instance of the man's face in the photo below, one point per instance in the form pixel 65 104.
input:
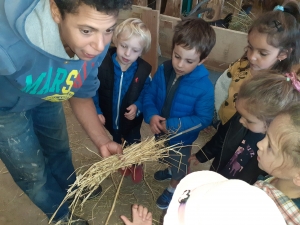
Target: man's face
pixel 86 32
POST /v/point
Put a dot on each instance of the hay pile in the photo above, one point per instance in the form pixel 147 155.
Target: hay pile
pixel 148 150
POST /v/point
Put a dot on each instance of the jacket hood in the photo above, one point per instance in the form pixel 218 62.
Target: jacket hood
pixel 32 21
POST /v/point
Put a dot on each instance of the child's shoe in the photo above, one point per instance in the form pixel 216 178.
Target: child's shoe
pixel 126 172
pixel 164 200
pixel 137 173
pixel 162 175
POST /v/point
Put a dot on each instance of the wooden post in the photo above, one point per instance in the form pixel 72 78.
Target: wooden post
pixel 158 5
pixel 151 19
pixel 173 8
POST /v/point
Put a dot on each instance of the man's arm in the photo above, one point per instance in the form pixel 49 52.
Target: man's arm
pixel 85 111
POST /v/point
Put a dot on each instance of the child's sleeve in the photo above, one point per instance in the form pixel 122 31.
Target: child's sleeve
pixel 221 90
pixel 139 101
pixel 151 96
pixel 96 103
pixel 214 146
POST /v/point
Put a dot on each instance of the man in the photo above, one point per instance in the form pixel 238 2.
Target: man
pixel 50 51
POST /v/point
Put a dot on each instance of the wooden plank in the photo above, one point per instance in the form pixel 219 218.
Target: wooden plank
pixel 166 26
pixel 151 19
pixel 173 8
pixel 158 5
pixel 140 2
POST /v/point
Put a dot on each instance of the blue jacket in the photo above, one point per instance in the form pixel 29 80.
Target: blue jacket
pixel 29 74
pixel 192 104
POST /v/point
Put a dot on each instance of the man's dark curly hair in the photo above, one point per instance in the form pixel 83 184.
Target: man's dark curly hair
pixel 110 7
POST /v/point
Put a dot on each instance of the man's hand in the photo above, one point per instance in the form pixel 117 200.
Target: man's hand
pixel 85 111
pixel 110 148
pixel 140 216
pixel 193 158
pixel 101 118
pixel 156 125
pixel 130 115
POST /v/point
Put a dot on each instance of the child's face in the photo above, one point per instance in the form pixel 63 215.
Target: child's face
pixel 128 50
pixel 248 120
pixel 269 156
pixel 260 54
pixel 184 60
pixel 86 32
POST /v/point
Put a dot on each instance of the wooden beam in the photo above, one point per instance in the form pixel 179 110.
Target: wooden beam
pixel 151 19
pixel 158 5
pixel 173 8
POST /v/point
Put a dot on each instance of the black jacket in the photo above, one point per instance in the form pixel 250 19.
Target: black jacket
pixel 105 92
pixel 222 147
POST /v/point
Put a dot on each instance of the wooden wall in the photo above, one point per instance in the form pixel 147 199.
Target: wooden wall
pixel 229 47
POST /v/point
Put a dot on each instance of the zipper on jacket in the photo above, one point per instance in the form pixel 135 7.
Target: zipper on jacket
pixel 223 147
pixel 119 99
pixel 174 81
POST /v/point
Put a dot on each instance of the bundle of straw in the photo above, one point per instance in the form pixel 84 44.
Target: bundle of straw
pixel 149 149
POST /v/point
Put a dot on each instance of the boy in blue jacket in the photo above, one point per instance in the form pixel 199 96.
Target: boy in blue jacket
pixel 50 51
pixel 123 78
pixel 181 96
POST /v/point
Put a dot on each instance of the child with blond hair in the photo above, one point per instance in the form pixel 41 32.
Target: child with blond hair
pixel 123 76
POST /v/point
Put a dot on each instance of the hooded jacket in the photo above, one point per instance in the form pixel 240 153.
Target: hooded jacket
pixel 34 66
pixel 193 102
pixel 223 145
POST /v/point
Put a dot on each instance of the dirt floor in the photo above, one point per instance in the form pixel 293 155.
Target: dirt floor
pixel 17 209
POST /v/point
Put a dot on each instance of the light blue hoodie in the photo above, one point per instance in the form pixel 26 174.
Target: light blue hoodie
pixel 34 66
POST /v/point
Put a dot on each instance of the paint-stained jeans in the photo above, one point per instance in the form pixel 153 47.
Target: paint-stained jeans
pixel 34 147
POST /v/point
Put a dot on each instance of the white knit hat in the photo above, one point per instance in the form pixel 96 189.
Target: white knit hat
pixel 211 199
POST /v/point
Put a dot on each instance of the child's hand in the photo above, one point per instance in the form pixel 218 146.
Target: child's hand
pixel 156 125
pixel 130 115
pixel 101 118
pixel 193 158
pixel 140 216
pixel 208 129
pixel 164 125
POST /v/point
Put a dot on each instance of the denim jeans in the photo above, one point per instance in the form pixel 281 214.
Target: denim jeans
pixel 34 147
